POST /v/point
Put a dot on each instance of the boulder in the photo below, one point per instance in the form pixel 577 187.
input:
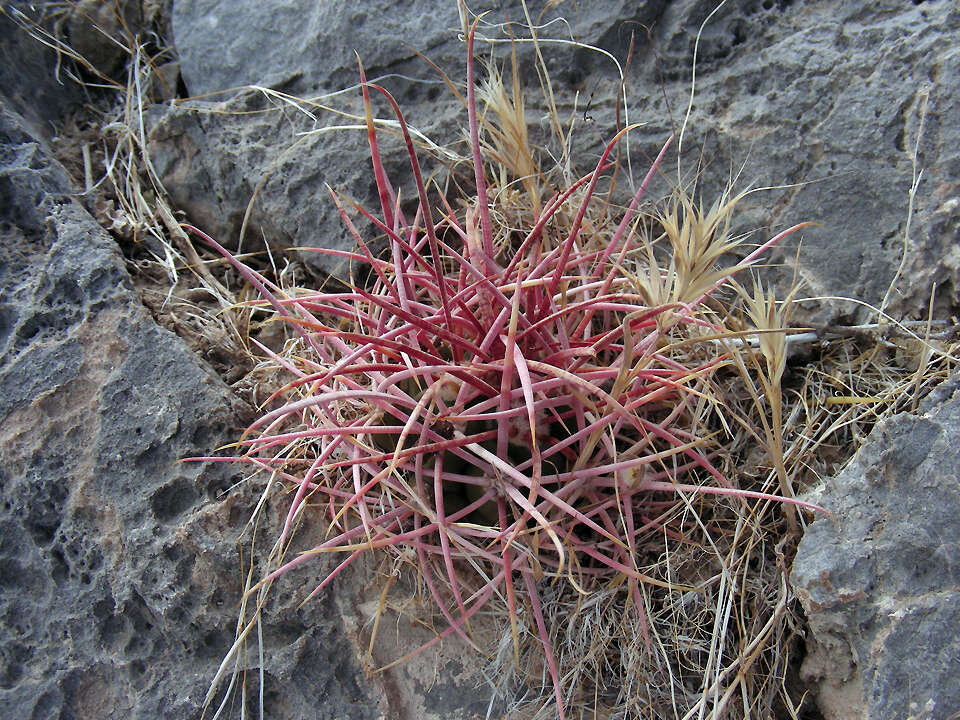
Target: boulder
pixel 215 154
pixel 119 565
pixel 28 81
pixel 823 99
pixel 217 160
pixel 880 579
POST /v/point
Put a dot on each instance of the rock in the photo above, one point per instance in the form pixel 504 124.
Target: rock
pixel 824 97
pixel 827 97
pixel 226 45
pixel 119 570
pixel 211 155
pixel 303 47
pixel 28 79
pixel 102 32
pixel 214 161
pixel 880 580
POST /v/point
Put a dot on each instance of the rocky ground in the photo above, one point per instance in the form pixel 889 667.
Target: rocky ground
pixel 119 567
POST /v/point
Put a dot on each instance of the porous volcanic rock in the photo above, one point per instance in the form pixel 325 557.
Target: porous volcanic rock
pixel 215 154
pixel 215 158
pixel 880 580
pixel 119 566
pixel 824 98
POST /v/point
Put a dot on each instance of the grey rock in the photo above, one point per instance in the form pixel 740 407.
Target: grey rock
pixel 880 580
pixel 215 163
pixel 226 45
pixel 303 46
pixel 101 32
pixel 28 79
pixel 826 96
pixel 118 566
pixel 822 96
pixel 211 156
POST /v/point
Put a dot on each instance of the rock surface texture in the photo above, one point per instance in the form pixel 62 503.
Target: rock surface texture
pixel 826 97
pixel 880 581
pixel 119 569
pixel 118 573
